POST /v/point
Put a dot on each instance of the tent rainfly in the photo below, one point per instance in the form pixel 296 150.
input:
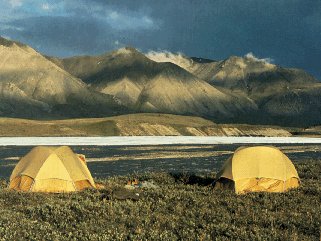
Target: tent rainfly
pixel 258 169
pixel 51 169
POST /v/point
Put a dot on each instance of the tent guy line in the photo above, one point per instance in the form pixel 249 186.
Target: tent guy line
pixel 151 140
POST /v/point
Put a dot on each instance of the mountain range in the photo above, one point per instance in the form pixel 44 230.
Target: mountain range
pixel 283 96
pixel 236 90
pixel 33 87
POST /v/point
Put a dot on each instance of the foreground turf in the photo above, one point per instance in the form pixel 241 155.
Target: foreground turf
pixel 183 207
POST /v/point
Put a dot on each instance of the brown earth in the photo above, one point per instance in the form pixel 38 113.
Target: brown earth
pixel 134 125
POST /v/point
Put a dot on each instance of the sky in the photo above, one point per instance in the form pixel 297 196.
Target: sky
pixel 286 31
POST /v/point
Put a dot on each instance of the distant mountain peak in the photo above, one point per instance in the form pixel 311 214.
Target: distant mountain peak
pixel 239 88
pixel 32 86
pixel 125 50
pixel 249 61
pixel 178 59
pixel 131 49
pixel 16 46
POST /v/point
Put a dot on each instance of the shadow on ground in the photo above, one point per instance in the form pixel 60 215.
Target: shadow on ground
pixel 192 179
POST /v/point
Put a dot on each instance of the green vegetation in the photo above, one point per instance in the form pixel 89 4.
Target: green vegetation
pixel 184 207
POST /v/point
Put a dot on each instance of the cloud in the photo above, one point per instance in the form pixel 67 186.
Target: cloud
pixel 288 30
pixel 6 37
pixel 23 9
pixel 126 22
pixel 117 44
pixel 22 19
pixel 165 56
pixel 45 6
pixel 15 3
pixel 252 57
pixel 117 17
pixel 4 27
pixel 123 19
pixel 114 15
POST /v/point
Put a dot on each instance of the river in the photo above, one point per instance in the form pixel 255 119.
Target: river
pixel 111 160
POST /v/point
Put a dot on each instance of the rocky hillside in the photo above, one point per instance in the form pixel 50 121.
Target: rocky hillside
pixel 236 90
pixel 284 96
pixel 31 86
pixel 144 85
pixel 248 74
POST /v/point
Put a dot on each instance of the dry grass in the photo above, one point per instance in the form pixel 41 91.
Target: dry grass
pixel 184 207
pixel 146 124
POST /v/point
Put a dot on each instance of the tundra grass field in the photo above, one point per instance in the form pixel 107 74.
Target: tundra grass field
pixel 182 207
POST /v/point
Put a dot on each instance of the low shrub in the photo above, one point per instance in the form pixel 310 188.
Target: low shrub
pixel 183 207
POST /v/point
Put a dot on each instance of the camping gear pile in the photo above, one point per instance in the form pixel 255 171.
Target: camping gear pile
pixel 59 169
pixel 134 184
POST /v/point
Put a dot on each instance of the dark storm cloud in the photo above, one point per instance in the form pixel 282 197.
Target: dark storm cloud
pixel 288 31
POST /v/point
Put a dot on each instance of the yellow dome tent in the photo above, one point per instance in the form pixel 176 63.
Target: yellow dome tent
pixel 51 169
pixel 257 169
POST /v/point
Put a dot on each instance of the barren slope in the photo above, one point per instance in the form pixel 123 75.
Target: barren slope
pixel 32 86
pixel 204 69
pixel 146 86
pixel 130 125
pixel 284 96
pixel 248 74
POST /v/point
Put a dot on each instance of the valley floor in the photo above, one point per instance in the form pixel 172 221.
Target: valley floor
pixel 147 124
pixel 182 207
